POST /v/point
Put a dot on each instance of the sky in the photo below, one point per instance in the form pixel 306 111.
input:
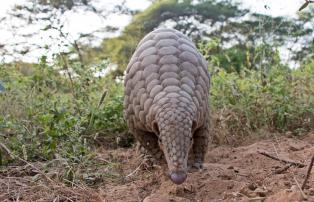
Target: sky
pixel 79 22
pixel 273 7
pixel 276 7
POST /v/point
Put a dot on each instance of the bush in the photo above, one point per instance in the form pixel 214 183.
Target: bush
pixel 45 115
pixel 243 103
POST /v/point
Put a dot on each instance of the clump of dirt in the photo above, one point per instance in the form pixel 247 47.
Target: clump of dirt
pixel 230 174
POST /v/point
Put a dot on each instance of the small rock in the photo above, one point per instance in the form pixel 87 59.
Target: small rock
pixel 230 186
pixel 260 192
pixel 252 186
pixel 225 177
pixel 230 167
pixel 287 183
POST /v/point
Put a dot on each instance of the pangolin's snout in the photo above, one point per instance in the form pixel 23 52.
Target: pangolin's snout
pixel 178 177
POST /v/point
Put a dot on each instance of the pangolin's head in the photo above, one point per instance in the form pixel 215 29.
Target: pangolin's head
pixel 175 140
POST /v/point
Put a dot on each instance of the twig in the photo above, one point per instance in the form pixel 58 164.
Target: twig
pixel 134 171
pixel 308 173
pixel 78 50
pixel 102 159
pixel 307 2
pixel 56 199
pixel 298 185
pixel 66 66
pixel 251 199
pixel 68 198
pixel 91 120
pixel 24 161
pixel 281 170
pixel 277 155
pixel 7 150
pixel 102 98
pixel 296 164
pixel 76 185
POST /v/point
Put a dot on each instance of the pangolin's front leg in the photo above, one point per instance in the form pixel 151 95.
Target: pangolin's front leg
pixel 200 145
pixel 150 142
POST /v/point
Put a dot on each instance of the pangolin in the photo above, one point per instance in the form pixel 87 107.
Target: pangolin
pixel 166 100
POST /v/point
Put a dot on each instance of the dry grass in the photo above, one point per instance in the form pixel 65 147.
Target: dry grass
pixel 26 189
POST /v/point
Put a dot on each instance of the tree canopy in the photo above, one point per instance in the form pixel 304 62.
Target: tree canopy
pixel 241 37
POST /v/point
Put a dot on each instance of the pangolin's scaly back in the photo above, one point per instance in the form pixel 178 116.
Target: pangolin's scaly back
pixel 165 70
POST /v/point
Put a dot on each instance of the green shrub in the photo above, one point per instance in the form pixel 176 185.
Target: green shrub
pixel 45 115
pixel 242 103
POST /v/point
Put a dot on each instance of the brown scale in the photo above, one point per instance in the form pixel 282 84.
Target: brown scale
pixel 166 100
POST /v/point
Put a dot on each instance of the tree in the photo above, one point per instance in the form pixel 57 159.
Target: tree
pixel 243 37
pixel 47 16
pixel 185 14
pixel 306 53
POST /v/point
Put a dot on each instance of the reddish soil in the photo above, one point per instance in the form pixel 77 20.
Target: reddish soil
pixel 230 174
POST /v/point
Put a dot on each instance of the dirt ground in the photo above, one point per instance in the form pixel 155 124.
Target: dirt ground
pixel 230 173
